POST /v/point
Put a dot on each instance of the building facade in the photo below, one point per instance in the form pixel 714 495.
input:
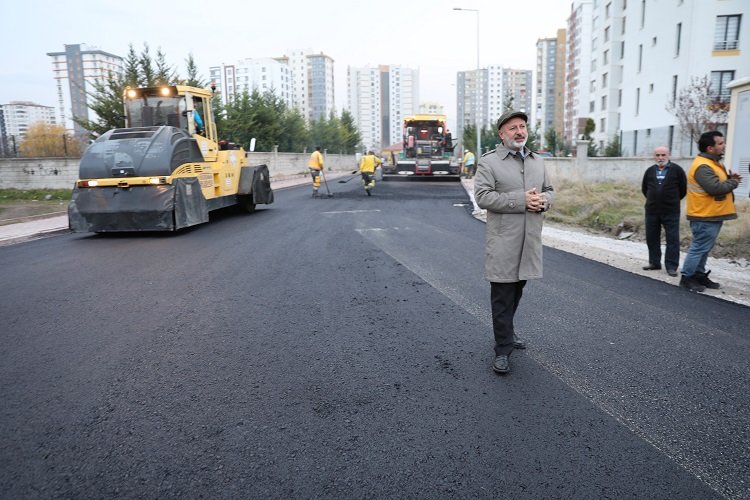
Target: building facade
pixel 75 71
pixel 302 79
pixel 577 61
pixel 15 120
pixel 483 95
pixel 550 86
pixel 262 75
pixel 629 60
pixel 666 48
pixel 379 99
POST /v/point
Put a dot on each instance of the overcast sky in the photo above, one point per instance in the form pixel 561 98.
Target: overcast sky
pixel 424 34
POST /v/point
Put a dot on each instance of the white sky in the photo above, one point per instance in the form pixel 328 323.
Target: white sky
pixel 424 34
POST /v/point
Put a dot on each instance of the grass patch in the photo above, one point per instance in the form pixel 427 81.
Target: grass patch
pixel 11 195
pixel 617 207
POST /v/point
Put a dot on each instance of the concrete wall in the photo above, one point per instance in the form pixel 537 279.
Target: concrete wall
pixel 61 173
pixel 603 169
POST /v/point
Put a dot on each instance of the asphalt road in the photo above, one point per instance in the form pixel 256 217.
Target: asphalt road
pixel 341 348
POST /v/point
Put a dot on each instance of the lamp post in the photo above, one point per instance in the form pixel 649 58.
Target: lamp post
pixel 476 93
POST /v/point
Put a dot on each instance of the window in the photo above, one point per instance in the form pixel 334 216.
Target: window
pixel 604 103
pixel 622 49
pixel 637 101
pixel 622 31
pixel 640 57
pixel 605 80
pixel 619 98
pixel 674 89
pixel 605 57
pixel 602 124
pixel 727 32
pixel 719 81
pixel 607 9
pixel 643 13
pixel 606 34
pixel 592 105
pixel 678 39
pixel 592 87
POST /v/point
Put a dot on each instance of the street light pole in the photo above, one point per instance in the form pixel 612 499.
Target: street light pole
pixel 476 93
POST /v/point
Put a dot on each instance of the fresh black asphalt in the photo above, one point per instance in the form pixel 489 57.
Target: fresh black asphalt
pixel 341 348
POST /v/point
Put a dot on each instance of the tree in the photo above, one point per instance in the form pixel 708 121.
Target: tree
pixel 193 79
pixel 106 99
pixel 44 140
pixel 351 135
pixel 296 136
pixel 553 141
pixel 612 149
pixel 588 129
pixel 698 109
pixel 165 74
pixel 107 102
pixel 147 74
pixel 131 73
pixel 532 142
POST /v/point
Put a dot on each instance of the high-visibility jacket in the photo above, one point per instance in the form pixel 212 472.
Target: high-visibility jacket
pixel 368 163
pixel 316 160
pixel 469 158
pixel 719 203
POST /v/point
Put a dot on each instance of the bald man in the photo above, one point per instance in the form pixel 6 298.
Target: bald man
pixel 664 185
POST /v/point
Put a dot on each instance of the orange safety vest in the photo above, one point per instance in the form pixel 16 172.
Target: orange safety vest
pixel 700 204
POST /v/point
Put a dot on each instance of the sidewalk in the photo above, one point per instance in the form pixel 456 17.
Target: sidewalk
pixel 629 256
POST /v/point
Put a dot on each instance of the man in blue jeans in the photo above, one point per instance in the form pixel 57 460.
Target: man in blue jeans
pixel 710 201
pixel 664 185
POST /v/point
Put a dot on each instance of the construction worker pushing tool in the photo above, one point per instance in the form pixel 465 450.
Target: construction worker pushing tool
pixel 367 166
pixel 316 166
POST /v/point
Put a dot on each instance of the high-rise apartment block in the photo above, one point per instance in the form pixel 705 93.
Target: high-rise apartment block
pixel 550 86
pixel 75 71
pixel 628 60
pixel 379 99
pixel 16 118
pixel 483 95
pixel 302 79
pixel 262 74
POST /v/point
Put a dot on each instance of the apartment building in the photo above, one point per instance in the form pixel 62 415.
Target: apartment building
pixel 75 71
pixel 16 118
pixel 379 98
pixel 550 86
pixel 254 74
pixel 302 79
pixel 641 54
pixel 483 95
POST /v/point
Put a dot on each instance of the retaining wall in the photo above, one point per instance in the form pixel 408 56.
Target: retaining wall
pixel 61 173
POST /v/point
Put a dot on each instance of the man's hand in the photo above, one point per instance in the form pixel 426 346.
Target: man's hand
pixel 535 201
pixel 735 176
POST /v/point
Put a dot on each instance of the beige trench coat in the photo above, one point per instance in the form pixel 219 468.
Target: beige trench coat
pixel 513 248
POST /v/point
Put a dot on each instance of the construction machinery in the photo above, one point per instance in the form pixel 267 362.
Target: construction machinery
pixel 166 170
pixel 427 148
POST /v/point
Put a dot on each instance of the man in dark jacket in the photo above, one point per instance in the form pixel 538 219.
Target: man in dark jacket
pixel 664 185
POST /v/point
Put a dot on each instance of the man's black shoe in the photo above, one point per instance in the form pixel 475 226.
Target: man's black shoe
pixel 518 343
pixel 691 284
pixel 501 364
pixel 704 280
pixel 651 267
pixel 672 272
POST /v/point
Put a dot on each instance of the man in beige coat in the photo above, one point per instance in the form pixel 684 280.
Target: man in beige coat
pixel 511 183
